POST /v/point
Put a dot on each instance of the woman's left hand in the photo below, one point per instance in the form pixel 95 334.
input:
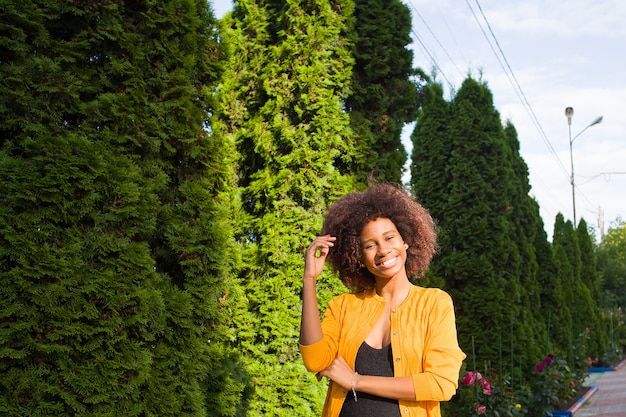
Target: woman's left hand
pixel 340 372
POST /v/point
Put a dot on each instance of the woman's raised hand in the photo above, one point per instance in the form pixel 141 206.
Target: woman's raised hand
pixel 315 256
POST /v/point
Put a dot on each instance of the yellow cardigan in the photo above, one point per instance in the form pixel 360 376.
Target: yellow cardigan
pixel 423 342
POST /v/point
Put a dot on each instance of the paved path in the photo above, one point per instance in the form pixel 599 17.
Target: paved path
pixel 610 398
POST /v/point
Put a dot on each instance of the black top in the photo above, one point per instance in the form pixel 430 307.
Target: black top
pixel 376 362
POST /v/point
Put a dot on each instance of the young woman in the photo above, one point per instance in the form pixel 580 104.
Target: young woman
pixel 388 347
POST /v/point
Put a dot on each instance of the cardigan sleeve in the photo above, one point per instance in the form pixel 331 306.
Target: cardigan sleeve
pixel 319 355
pixel 443 357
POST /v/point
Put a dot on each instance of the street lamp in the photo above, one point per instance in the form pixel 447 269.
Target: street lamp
pixel 569 112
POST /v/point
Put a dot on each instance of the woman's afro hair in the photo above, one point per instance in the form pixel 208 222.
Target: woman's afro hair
pixel 348 216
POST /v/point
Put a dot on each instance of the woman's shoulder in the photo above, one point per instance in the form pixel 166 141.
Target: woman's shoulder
pixel 429 293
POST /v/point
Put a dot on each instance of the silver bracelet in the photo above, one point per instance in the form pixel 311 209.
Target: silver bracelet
pixel 353 381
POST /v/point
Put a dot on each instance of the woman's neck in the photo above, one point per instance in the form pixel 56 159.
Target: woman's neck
pixel 394 290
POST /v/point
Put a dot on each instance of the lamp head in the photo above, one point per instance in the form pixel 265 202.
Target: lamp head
pixel 598 120
pixel 569 112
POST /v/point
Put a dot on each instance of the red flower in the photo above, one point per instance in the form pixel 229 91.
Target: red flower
pixel 544 363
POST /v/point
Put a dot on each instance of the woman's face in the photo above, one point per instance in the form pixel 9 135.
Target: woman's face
pixel 383 249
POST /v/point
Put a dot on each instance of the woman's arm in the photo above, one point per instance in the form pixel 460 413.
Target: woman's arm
pixel 397 388
pixel 310 326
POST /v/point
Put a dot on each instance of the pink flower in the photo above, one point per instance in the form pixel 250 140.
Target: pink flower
pixel 480 409
pixel 471 377
pixel 486 387
pixel 539 367
pixel 587 330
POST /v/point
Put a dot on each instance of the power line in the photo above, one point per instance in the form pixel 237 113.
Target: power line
pixel 607 176
pixel 432 58
pixel 445 51
pixel 514 82
pixel 516 86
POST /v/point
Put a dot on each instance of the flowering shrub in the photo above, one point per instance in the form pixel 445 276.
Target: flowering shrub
pixel 553 385
pixel 476 396
pixel 549 386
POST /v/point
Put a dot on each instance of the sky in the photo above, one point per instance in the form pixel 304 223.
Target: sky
pixel 537 58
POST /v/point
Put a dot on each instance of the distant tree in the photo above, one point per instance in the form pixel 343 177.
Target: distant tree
pixel 385 88
pixel 282 107
pixel 560 314
pixel 115 238
pixel 551 303
pixel 567 257
pixel 611 255
pixel 590 287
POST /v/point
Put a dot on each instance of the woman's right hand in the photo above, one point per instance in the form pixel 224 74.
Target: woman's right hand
pixel 315 256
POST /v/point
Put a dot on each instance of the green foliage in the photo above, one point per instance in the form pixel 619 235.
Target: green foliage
pixel 282 108
pixel 612 265
pixel 160 178
pixel 114 211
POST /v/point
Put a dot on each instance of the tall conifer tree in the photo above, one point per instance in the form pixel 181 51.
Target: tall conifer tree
pixel 564 282
pixel 467 170
pixel 488 294
pixel 578 285
pixel 525 230
pixel 385 87
pixel 283 108
pixel 114 211
pixel 432 149
pixel 589 277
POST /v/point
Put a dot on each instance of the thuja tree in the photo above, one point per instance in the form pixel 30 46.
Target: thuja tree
pixel 385 87
pixel 527 232
pixel 430 179
pixel 113 217
pixel 466 171
pixel 597 343
pixel 582 313
pixel 282 108
pixel 575 260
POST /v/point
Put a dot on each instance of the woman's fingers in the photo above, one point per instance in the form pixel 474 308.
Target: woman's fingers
pixel 316 255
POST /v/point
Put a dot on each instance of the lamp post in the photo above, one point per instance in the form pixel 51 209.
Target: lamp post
pixel 569 112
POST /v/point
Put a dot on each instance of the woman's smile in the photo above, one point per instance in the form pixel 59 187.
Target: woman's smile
pixel 386 263
pixel 382 248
